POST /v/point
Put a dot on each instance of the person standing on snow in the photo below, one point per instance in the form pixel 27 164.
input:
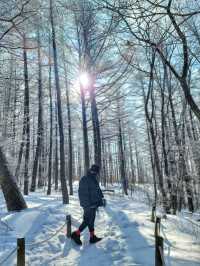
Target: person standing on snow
pixel 90 197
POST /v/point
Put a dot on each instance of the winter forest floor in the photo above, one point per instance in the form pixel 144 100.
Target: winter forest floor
pixel 128 234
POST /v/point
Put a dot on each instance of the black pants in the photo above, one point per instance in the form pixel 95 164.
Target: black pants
pixel 88 219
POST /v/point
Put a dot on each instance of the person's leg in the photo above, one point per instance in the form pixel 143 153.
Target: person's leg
pixel 76 234
pixel 85 221
pixel 93 237
pixel 87 216
pixel 91 220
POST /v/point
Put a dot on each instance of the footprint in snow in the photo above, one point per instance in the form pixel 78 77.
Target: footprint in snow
pixel 112 245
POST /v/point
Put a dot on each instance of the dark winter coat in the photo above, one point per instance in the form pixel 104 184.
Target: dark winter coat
pixel 90 194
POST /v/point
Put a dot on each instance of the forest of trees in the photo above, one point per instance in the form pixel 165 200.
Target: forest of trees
pixel 110 82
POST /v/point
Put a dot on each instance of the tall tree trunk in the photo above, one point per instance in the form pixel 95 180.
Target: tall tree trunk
pixel 14 116
pixel 60 119
pixel 40 120
pixel 176 187
pixel 41 168
pixel 13 197
pixel 182 169
pixel 152 165
pixel 195 154
pixel 137 163
pixel 55 164
pixel 51 131
pixel 104 172
pixel 133 180
pixel 79 160
pixel 122 159
pixel 70 147
pixel 185 174
pixel 7 97
pixel 157 164
pixel 96 127
pixel 164 149
pixel 27 120
pixel 17 170
pixel 111 172
pixel 149 117
pixel 85 130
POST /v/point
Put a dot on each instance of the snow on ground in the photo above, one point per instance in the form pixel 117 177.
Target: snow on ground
pixel 128 234
pixel 181 247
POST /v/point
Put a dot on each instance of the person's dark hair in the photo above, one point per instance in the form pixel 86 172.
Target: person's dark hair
pixel 95 168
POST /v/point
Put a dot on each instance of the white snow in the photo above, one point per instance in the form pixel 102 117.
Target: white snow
pixel 128 234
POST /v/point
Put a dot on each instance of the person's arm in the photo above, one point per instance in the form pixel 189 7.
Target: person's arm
pixel 101 192
pixel 102 201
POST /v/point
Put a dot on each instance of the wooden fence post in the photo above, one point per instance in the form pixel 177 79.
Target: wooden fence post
pixel 153 212
pixel 159 257
pixel 21 252
pixel 69 225
pixel 157 226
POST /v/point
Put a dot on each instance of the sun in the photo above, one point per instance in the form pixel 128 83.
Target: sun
pixel 84 79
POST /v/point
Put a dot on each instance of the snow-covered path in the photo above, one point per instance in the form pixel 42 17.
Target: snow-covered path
pixel 128 235
pixel 122 244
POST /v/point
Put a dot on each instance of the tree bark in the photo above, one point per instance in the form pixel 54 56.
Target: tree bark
pixel 40 120
pixel 70 147
pixel 55 164
pixel 27 120
pixel 13 197
pixel 60 119
pixel 51 132
pixel 85 131
pixel 122 159
pixel 96 127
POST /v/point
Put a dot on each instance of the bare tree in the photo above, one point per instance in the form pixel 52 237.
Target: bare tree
pixel 60 119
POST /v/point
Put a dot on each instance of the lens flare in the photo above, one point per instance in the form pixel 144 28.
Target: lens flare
pixel 84 79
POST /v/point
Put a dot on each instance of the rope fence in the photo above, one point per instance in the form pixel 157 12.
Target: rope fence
pixel 47 239
pixel 187 224
pixel 195 227
pixel 6 225
pixel 8 256
pixel 21 245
